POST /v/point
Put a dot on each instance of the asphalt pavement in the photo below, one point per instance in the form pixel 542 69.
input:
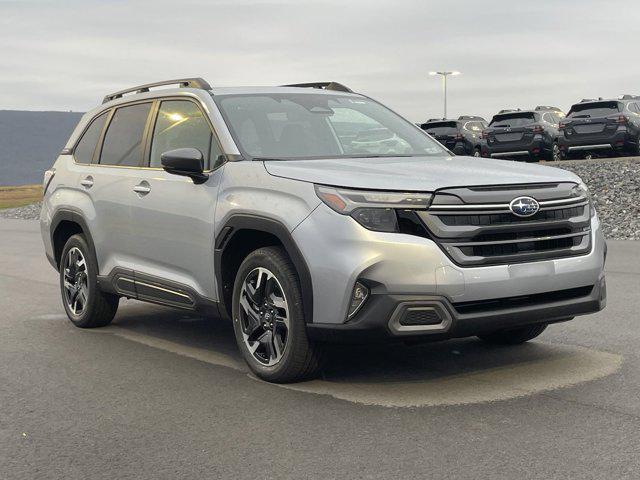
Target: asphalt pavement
pixel 163 393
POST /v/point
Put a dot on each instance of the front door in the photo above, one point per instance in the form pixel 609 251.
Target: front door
pixel 172 216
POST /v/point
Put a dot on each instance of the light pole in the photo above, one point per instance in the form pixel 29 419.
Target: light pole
pixel 444 86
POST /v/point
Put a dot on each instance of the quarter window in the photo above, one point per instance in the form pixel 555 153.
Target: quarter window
pixel 84 150
pixel 123 141
pixel 181 124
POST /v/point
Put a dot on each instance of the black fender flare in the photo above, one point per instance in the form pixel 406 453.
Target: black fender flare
pixel 238 222
pixel 74 216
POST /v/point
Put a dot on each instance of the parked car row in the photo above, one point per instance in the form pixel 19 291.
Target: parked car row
pixel 592 127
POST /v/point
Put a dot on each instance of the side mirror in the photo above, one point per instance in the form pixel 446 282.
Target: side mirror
pixel 188 162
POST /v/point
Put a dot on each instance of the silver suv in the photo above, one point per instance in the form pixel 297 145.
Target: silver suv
pixel 309 213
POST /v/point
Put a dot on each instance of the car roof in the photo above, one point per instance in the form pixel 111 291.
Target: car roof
pixel 248 90
pixel 517 112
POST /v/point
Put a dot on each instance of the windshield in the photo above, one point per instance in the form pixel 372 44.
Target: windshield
pixel 513 120
pixel 306 126
pixel 588 110
pixel 441 128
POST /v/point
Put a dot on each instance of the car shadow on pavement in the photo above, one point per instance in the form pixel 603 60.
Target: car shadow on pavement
pixel 440 373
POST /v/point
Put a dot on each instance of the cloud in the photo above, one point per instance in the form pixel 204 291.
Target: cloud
pixel 67 55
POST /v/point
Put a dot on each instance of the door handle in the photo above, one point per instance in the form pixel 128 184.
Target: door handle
pixel 142 188
pixel 87 182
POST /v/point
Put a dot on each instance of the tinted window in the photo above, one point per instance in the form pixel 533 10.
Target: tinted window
pixel 309 125
pixel 84 150
pixel 549 118
pixel 589 110
pixel 123 140
pixel 475 126
pixel 440 128
pixel 513 120
pixel 181 124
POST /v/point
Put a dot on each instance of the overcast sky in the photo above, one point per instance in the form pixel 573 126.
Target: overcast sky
pixel 66 55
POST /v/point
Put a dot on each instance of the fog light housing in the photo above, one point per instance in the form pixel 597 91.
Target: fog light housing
pixel 359 295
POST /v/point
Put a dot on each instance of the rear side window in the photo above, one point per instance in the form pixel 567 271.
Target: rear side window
pixel 83 152
pixel 513 120
pixel 591 110
pixel 123 140
pixel 475 126
pixel 440 128
pixel 181 124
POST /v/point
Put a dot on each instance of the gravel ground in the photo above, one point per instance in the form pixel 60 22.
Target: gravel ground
pixel 614 184
pixel 615 188
pixel 29 212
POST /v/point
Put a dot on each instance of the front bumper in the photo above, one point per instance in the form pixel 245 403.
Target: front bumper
pixel 381 319
pixel 400 268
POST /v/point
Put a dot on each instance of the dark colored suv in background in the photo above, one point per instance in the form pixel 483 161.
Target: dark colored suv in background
pixel 607 127
pixel 462 136
pixel 528 135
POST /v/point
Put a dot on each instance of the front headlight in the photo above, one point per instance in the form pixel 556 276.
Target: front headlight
pixel 582 190
pixel 373 209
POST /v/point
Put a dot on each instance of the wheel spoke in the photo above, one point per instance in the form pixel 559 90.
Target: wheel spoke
pixel 256 332
pixel 267 341
pixel 278 345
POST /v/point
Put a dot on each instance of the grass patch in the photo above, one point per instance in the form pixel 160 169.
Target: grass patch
pixel 12 197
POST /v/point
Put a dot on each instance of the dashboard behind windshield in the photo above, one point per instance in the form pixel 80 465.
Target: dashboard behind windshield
pixel 306 126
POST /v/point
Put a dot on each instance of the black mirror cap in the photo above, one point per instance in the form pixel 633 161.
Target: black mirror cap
pixel 185 161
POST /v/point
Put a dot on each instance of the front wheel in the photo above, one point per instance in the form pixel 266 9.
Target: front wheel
pixel 268 318
pixel 514 336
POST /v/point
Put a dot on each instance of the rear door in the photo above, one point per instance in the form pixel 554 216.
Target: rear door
pixel 172 216
pixel 592 120
pixel 444 132
pixel 512 129
pixel 107 181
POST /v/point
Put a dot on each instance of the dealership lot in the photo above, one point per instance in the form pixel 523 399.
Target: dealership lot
pixel 163 394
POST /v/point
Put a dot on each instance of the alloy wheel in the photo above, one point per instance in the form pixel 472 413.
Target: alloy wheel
pixel 264 316
pixel 556 153
pixel 75 282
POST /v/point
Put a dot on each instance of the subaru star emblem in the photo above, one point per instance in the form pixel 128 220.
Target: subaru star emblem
pixel 524 206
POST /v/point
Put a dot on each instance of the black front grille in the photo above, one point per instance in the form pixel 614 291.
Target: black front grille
pixel 489 251
pixel 509 218
pixel 474 231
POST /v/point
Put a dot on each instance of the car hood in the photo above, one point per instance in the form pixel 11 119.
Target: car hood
pixel 415 173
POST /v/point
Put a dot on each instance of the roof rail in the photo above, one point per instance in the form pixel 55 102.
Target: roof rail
pixel 338 87
pixel 626 96
pixel 585 100
pixel 509 110
pixel 182 82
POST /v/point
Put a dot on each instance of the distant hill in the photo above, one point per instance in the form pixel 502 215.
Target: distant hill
pixel 30 143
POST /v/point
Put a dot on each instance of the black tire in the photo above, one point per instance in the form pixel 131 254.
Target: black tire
pixel 99 308
pixel 514 336
pixel 300 358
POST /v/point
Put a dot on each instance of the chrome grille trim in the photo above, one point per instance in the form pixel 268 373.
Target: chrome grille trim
pixel 479 234
pixel 505 206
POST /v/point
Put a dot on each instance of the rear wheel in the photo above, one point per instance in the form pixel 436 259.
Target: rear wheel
pixel 556 153
pixel 514 336
pixel 476 152
pixel 85 304
pixel 268 318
